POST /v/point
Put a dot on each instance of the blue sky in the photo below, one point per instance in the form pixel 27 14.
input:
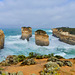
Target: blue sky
pixel 37 13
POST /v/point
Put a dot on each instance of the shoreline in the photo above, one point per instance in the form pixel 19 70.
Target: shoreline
pixel 64 35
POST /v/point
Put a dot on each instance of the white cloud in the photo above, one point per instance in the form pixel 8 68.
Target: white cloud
pixel 42 13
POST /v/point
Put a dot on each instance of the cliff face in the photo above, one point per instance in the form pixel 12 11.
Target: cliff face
pixel 41 38
pixel 2 37
pixel 26 33
pixel 64 36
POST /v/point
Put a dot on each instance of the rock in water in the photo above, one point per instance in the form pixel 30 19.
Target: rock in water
pixel 26 33
pixel 2 38
pixel 41 38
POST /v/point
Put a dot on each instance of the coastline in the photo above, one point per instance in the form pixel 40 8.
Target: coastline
pixel 39 66
pixel 64 36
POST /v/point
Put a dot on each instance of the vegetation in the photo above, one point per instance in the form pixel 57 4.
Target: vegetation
pixel 40 31
pixel 28 62
pixel 21 58
pixel 50 69
pixel 59 57
pixel 1 69
pixel 67 29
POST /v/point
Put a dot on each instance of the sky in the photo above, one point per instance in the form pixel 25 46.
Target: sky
pixel 37 13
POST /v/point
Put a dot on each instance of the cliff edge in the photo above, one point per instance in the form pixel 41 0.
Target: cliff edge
pixel 2 36
pixel 65 35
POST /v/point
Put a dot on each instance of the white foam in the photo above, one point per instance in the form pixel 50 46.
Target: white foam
pixel 61 54
pixel 49 30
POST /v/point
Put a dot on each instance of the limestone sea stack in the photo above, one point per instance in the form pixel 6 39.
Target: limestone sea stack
pixel 2 38
pixel 41 38
pixel 26 33
pixel 66 35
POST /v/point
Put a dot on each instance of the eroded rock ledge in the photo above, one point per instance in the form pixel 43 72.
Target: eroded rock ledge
pixel 26 33
pixel 64 35
pixel 2 36
pixel 41 38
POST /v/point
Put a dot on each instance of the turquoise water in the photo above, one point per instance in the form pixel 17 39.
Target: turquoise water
pixel 15 46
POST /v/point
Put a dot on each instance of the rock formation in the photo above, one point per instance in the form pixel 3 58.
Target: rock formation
pixel 64 36
pixel 2 36
pixel 41 38
pixel 26 33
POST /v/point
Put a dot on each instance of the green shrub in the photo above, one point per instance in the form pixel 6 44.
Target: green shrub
pixel 50 55
pixel 60 63
pixel 1 69
pixel 59 57
pixel 39 57
pixel 28 62
pixel 53 59
pixel 68 63
pixel 21 58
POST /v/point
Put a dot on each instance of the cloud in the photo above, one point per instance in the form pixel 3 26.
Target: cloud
pixel 37 13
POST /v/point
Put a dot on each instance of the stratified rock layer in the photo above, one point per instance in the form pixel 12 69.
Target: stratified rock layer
pixel 2 36
pixel 26 33
pixel 64 36
pixel 41 38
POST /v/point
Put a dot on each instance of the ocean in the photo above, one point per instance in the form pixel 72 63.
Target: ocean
pixel 15 46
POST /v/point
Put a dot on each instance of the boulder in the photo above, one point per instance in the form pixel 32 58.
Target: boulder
pixel 41 38
pixel 26 33
pixel 2 38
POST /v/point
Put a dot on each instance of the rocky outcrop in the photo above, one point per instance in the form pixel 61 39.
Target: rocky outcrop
pixel 2 36
pixel 64 36
pixel 41 38
pixel 26 33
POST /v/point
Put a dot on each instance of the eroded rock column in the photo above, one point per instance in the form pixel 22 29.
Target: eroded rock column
pixel 2 38
pixel 26 33
pixel 41 38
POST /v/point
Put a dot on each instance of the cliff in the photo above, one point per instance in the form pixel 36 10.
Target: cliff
pixel 26 33
pixel 2 36
pixel 41 38
pixel 64 36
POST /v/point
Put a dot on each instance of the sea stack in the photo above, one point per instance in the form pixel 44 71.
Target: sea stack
pixel 2 38
pixel 41 38
pixel 26 33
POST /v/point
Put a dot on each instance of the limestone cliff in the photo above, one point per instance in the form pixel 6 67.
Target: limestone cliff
pixel 26 33
pixel 2 37
pixel 64 36
pixel 41 38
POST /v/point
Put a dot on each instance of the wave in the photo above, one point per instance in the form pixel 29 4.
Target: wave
pixel 15 46
pixel 49 31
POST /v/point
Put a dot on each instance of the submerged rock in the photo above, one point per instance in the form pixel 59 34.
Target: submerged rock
pixel 26 33
pixel 41 38
pixel 2 38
